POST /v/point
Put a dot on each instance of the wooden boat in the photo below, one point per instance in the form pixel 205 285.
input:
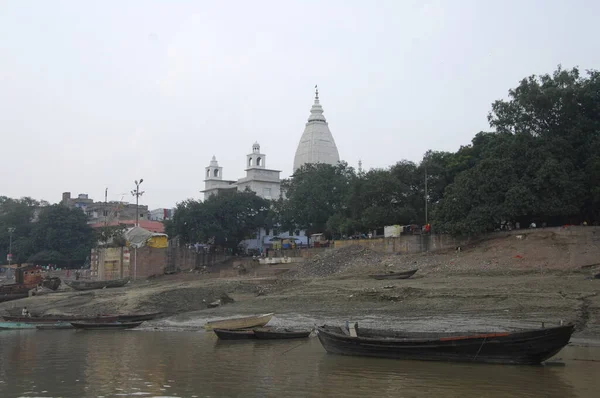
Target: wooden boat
pixel 138 317
pixel 394 275
pixel 522 347
pixel 106 325
pixel 240 323
pixel 92 285
pixel 54 326
pixel 280 334
pixel 16 325
pixel 12 296
pixel 50 319
pixel 51 283
pixel 235 334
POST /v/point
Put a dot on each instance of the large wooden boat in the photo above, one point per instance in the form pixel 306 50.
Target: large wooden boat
pixel 394 275
pixel 522 347
pixel 92 285
pixel 106 325
pixel 235 334
pixel 240 323
pixel 280 334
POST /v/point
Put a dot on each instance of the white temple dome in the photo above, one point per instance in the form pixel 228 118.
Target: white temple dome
pixel 316 144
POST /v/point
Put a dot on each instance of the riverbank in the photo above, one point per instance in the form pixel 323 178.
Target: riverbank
pixel 505 282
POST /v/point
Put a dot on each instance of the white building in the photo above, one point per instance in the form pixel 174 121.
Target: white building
pixel 264 182
pixel 160 214
pixel 316 144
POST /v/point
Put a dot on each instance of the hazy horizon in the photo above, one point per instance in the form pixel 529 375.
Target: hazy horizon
pixel 98 94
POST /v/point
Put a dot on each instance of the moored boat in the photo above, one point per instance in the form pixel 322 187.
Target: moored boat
pixel 240 323
pixel 280 333
pixel 105 325
pixel 394 275
pixel 93 285
pixel 49 319
pixel 520 347
pixel 54 326
pixel 235 334
pixel 16 325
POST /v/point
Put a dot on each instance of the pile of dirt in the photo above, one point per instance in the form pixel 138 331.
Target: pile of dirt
pixel 339 261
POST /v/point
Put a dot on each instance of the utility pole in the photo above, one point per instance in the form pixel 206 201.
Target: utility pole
pixel 11 230
pixel 426 196
pixel 136 192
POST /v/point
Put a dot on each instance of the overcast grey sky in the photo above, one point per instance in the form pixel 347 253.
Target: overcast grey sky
pixel 96 94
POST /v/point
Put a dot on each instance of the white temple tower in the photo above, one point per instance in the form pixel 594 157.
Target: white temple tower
pixel 316 144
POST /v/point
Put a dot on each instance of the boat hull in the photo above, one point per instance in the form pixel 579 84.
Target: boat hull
pixel 93 285
pixel 59 319
pixel 394 275
pixel 280 334
pixel 239 323
pixel 524 347
pixel 243 334
pixel 16 325
pixel 55 326
pixel 105 326
pixel 12 296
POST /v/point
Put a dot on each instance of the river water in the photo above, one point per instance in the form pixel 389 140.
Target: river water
pixel 68 363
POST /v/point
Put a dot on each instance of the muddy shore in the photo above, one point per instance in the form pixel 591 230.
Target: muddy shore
pixel 505 282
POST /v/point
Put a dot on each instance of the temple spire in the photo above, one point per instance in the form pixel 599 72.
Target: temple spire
pixel 316 94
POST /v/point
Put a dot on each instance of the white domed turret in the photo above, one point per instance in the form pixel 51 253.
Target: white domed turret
pixel 316 144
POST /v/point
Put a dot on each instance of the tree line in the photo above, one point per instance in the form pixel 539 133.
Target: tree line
pixel 43 233
pixel 541 163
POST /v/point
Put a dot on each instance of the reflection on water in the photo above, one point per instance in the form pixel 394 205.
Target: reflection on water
pixel 188 364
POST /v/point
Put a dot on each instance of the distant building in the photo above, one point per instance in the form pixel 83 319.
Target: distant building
pixel 316 144
pixel 104 212
pixel 264 182
pixel 161 214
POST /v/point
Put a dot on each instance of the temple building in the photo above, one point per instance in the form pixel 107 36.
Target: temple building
pixel 264 182
pixel 316 144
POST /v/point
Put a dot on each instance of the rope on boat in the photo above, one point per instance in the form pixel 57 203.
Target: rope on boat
pixel 480 347
pixel 286 351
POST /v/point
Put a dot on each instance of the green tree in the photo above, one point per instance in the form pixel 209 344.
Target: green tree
pixel 314 194
pixel 64 231
pixel 224 219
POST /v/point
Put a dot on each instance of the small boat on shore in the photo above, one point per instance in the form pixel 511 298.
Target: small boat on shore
pixel 240 323
pixel 138 317
pixel 394 275
pixel 521 347
pixel 235 334
pixel 93 285
pixel 280 333
pixel 106 325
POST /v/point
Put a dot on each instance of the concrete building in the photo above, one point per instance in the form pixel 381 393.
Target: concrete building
pixel 264 182
pixel 161 214
pixel 316 144
pixel 104 212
